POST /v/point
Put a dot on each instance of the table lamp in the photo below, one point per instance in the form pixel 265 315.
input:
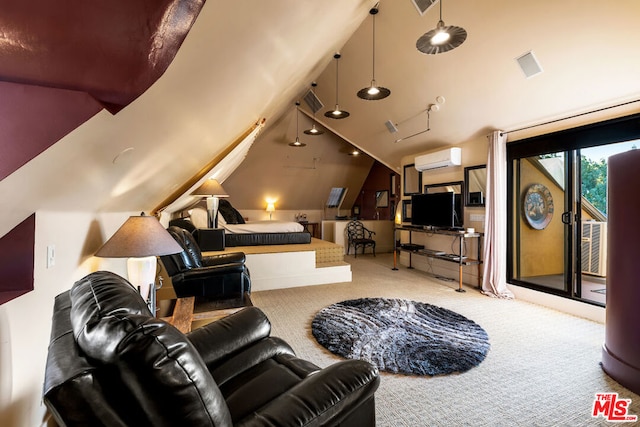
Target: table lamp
pixel 271 209
pixel 141 239
pixel 212 190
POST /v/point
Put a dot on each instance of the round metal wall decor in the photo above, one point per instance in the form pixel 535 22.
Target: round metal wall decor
pixel 537 206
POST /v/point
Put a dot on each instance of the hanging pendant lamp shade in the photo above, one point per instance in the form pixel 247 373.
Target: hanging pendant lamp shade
pixel 442 38
pixel 297 142
pixel 314 130
pixel 337 113
pixel 374 92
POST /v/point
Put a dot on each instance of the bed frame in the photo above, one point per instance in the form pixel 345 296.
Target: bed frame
pixel 255 239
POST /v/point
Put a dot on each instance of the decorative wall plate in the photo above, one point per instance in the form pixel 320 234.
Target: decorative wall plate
pixel 537 206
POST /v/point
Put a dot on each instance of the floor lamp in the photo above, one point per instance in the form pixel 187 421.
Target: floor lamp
pixel 212 190
pixel 141 239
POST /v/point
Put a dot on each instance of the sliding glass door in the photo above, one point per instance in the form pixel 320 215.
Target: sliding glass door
pixel 558 208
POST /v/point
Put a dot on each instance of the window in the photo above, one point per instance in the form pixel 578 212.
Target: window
pixel 336 196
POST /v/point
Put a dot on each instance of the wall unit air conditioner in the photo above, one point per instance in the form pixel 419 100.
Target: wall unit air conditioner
pixel 439 159
pixel 594 248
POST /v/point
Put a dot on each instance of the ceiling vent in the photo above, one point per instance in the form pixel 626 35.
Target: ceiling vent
pixel 313 101
pixel 529 64
pixel 423 5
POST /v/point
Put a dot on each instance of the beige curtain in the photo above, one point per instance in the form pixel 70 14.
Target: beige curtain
pixel 494 281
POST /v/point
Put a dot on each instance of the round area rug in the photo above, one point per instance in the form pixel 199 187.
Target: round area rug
pixel 401 336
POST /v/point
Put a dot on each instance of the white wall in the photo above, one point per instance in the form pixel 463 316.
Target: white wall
pixel 25 322
pixel 313 215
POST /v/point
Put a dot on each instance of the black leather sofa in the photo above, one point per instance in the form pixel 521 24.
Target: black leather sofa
pixel 110 363
pixel 223 275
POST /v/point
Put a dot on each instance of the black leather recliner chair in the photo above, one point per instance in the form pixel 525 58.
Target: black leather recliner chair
pixel 110 363
pixel 217 276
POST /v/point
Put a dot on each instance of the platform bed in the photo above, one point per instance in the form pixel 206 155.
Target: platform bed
pixel 239 232
pixel 289 266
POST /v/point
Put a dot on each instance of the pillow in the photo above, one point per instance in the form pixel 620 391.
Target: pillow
pixel 198 217
pixel 229 213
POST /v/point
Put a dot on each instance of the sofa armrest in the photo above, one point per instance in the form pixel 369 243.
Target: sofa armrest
pixel 218 340
pixel 325 397
pixel 225 258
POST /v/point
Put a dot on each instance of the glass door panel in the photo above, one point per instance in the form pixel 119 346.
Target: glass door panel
pixel 543 232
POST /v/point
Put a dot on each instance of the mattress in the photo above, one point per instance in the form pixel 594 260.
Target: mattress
pixel 261 227
pixel 255 239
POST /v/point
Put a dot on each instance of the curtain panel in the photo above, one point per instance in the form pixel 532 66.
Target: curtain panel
pixel 494 280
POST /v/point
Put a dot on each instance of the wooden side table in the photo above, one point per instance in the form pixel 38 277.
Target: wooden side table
pixel 189 314
pixel 311 227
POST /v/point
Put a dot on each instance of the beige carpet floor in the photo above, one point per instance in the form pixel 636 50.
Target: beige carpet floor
pixel 542 370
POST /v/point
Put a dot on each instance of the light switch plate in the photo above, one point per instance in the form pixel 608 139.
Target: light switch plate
pixel 51 256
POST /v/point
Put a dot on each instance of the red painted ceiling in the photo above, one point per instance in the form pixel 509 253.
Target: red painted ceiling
pixel 64 61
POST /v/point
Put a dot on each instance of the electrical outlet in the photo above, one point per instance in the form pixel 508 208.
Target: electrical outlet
pixel 51 256
pixel 476 217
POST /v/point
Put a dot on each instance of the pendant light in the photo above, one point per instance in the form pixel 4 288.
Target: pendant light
pixel 337 113
pixel 314 130
pixel 442 38
pixel 297 142
pixel 374 92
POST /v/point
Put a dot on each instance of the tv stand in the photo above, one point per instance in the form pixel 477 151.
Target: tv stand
pixel 458 258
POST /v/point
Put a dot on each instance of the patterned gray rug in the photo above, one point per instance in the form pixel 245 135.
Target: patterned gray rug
pixel 401 336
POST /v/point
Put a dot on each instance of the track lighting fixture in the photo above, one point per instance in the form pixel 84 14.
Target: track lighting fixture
pixel 430 108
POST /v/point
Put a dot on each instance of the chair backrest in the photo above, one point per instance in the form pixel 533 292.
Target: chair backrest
pixel 190 257
pixel 355 230
pixel 143 371
pixel 183 223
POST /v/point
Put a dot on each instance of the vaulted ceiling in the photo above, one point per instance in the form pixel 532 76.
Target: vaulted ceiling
pixel 243 61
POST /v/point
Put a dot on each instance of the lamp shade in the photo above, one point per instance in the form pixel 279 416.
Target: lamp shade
pixel 271 207
pixel 210 187
pixel 140 236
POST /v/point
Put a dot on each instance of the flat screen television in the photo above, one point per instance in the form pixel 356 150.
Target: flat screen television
pixel 439 210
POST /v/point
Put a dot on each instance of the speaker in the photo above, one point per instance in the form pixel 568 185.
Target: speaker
pixel 392 128
pixel 529 64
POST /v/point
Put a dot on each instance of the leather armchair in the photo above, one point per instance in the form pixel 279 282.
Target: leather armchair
pixel 217 276
pixel 110 363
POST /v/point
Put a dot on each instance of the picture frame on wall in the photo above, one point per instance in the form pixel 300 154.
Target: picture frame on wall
pixel 412 180
pixel 406 211
pixel 393 185
pixel 382 199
